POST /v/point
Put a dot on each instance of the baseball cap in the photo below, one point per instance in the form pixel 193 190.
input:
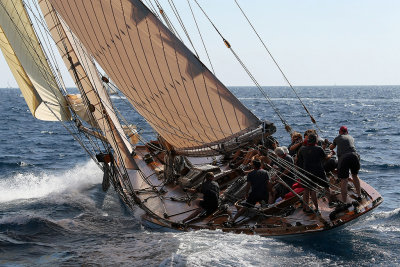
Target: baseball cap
pixel 343 129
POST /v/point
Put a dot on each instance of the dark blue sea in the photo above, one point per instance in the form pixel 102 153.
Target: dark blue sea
pixel 53 211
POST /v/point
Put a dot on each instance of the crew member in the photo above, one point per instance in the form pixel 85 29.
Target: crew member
pixel 311 158
pixel 348 159
pixel 258 182
pixel 209 203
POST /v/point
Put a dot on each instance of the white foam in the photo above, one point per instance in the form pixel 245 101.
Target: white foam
pixel 47 132
pixel 216 248
pixel 384 214
pixel 385 228
pixel 28 185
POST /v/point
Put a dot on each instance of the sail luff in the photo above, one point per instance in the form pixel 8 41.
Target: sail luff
pixel 168 85
pixel 29 65
pixel 83 70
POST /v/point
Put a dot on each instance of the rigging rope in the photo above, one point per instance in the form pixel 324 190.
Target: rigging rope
pixel 198 121
pixel 200 135
pixel 305 180
pixel 279 68
pixel 76 134
pixel 40 21
pixel 104 144
pixel 167 20
pixel 201 37
pixel 298 171
pixel 175 10
pixel 284 122
pixel 152 8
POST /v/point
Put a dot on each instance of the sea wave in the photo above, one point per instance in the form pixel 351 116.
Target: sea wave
pixel 30 224
pixel 393 215
pixel 382 167
pixel 386 222
pixel 30 185
pixel 8 241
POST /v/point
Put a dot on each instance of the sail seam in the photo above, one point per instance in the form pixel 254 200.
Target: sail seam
pixel 108 26
pixel 169 71
pixel 205 115
pixel 166 60
pixel 140 67
pixel 175 10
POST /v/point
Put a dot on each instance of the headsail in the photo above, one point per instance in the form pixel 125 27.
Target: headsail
pixel 169 86
pixel 28 64
pixel 85 72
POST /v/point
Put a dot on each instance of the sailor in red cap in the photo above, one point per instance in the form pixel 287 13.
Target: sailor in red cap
pixel 348 160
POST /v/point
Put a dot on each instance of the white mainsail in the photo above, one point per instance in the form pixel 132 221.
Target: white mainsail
pixel 168 85
pixel 74 53
pixel 28 64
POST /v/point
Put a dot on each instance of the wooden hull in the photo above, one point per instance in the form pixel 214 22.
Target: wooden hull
pixel 166 205
pixel 288 231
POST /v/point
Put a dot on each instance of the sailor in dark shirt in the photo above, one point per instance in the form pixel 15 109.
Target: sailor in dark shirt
pixel 258 182
pixel 348 159
pixel 209 203
pixel 311 158
pixel 210 190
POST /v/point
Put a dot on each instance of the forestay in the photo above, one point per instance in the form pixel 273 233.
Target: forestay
pixel 168 85
pixel 28 64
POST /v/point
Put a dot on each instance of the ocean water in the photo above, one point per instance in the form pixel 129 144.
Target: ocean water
pixel 53 211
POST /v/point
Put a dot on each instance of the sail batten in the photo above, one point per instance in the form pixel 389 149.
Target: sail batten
pixel 165 82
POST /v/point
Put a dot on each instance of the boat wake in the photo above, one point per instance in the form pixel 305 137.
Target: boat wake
pixel 31 185
pixel 200 248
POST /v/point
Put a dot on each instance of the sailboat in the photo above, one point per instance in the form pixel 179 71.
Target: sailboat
pixel 199 123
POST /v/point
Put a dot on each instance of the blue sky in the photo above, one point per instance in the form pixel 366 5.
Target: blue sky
pixel 353 42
